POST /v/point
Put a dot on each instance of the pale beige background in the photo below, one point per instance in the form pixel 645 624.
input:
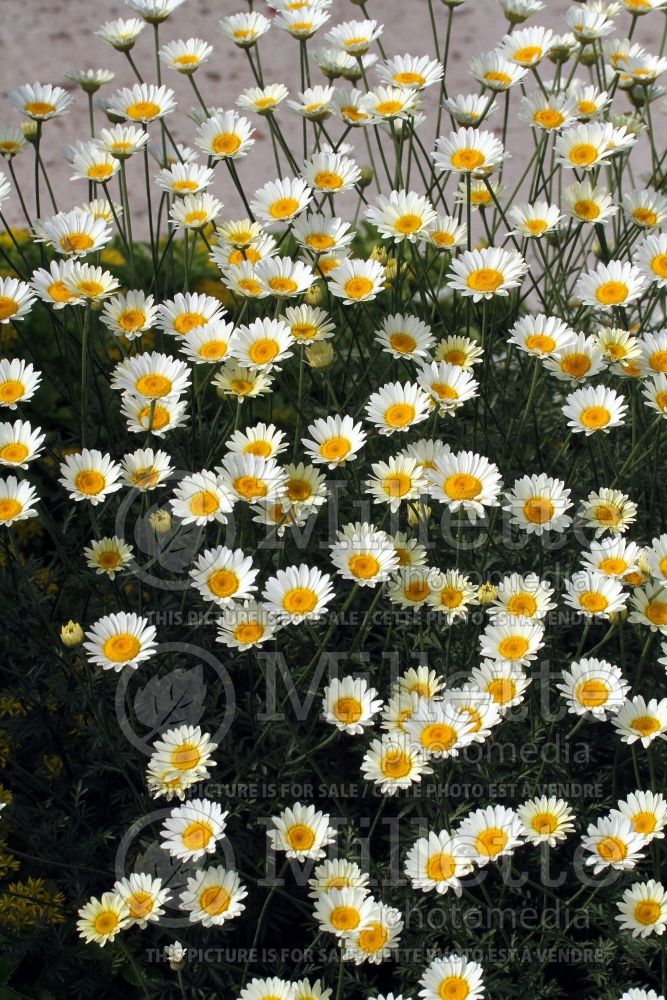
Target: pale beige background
pixel 44 38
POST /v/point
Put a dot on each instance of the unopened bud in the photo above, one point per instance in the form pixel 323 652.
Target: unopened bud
pixel 71 634
pixel 320 355
pixel 367 175
pixel 160 521
pixel 313 295
pixel 487 593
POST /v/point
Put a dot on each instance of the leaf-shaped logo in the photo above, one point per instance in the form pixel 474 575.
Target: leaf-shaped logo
pixel 174 699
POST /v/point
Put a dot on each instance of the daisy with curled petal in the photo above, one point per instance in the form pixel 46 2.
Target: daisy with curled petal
pixel 144 102
pixel 390 104
pixel 608 510
pixel 647 812
pixel 244 383
pixel 649 606
pixel 90 475
pixel 615 284
pixel 16 299
pixel 283 277
pixel 354 37
pixel 331 172
pixel 587 24
pixel 281 200
pixel 465 481
pixel 482 274
pixel 594 408
pixel 194 211
pixel 309 324
pixel 17 499
pixel 490 833
pixel 202 497
pixel 469 151
pixel 213 896
pixel 545 820
pixel 321 234
pixel 302 832
pixel 120 640
pixel 505 682
pixel 225 136
pixel 397 406
pixel 302 23
pixel 467 109
pixel 396 481
pixel 40 101
pixel 263 343
pixel 264 440
pixel 184 178
pixel 612 843
pixel 262 100
pixel 74 233
pixel 612 557
pixel 122 141
pixel 363 554
pixel 193 829
pixel 535 220
pixel 463 352
pixel 244 29
pixel 588 203
pixel 479 708
pixel 377 939
pixel 448 386
pixel 243 281
pixel 495 72
pixel 144 897
pixel 548 112
pixel 404 215
pixel 185 56
pixel 244 626
pixel 49 284
pixel 129 315
pixel 538 504
pixel 451 593
pixel 222 575
pixel 298 593
pixel 157 417
pixel 440 729
pixel 618 346
pixel 592 594
pixel 594 688
pixel 399 708
pixel 349 106
pixel 643 909
pixel 577 361
pixel 394 762
pixel 455 975
pixel 526 47
pixel 409 551
pixel 517 640
pixel 87 283
pixel 438 862
pixel 349 704
pixel 151 376
pixel 94 165
pixel 108 556
pixel 19 443
pixel 100 920
pixel 445 233
pixel 645 208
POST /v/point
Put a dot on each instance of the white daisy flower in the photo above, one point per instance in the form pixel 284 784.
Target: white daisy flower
pixel 212 897
pixel 535 220
pixel 144 102
pixel 452 593
pixel 234 380
pixel 438 862
pixel 647 812
pixel 481 274
pixel 185 56
pixel 526 47
pixel 590 593
pixel 404 215
pixel 363 554
pixel 469 151
pixel 344 911
pixel 90 475
pixel 100 920
pixel 608 510
pixel 144 897
pixel 16 299
pixel 108 555
pixel 349 704
pixel 121 142
pixel 643 909
pixel 440 729
pixel 503 680
pixel 244 626
pixel 496 72
pixel 298 593
pixel 445 977
pixel 490 833
pixel 245 29
pixel 545 820
pixel 445 233
pixel 538 504
pixel 120 640
pixel 331 173
pixel 613 557
pixel 354 37
pixel 49 284
pixel 522 597
pixel 40 101
pixel 129 315
pixel 654 391
pixel 157 417
pixel 397 406
pixel 322 234
pixel 17 500
pixel 594 688
pixel 302 832
pixel 615 284
pixel 356 281
pixel 517 640
pixel 225 136
pixel 251 478
pixel 222 575
pixel 193 829
pixel 612 843
pixel 201 498
pixel 645 208
pixel 397 481
pixel 281 200
pixel 284 277
pixel 585 146
pixel 594 408
pixel 151 376
pixel 263 100
pixel 588 202
pixel 336 874
pixel 394 762
pixel 194 211
pixel 377 939
pixel 19 443
pixel 549 112
pixel 650 258
pixel 465 481
pixel 449 386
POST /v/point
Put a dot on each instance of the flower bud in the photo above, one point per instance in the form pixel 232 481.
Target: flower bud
pixel 71 634
pixel 160 521
pixel 320 355
pixel 487 593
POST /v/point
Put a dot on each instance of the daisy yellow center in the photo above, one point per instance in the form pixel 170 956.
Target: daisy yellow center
pixel 576 364
pixel 160 417
pixel 14 452
pixel 480 197
pixel 451 597
pixel 490 842
pixel 188 59
pixel 528 54
pixel 586 209
pixel 462 486
pixel 142 109
pixel 396 764
pixel 263 351
pixel 644 822
pixel 195 218
pixel 300 837
pixel 658 361
pixel 100 171
pixel 348 710
pixel 154 385
pixel 197 835
pixel 593 693
pixel 455 357
pixel 397 484
pixel 595 416
pixel 645 216
pixel 399 415
pixel 524 605
pixel 513 647
pixel 185 756
pixel 8 307
pixel 353 113
pixel 485 280
pixel 250 487
pixel 538 510
pixel 408 223
pixel 11 390
pixel 612 849
pixel 611 293
pixel 283 286
pixel 121 647
pixel 226 143
pixel 320 241
pixel 250 286
pixel 39 108
pixel 223 583
pixel 373 938
pixel 105 922
pixel 442 238
pixel 453 988
pixel 141 904
pixel 91 289
pixel 215 900
pixel 404 343
pixel 661 401
pixel 495 76
pixel 587 107
pixel 188 321
pixel 583 154
pixel 502 690
pixel 409 79
pixel 389 107
pixel 108 560
pixel 613 565
pixel 593 602
pixel 358 288
pixel 204 503
pixel 213 349
pixel 364 566
pixel 647 912
pixel 417 590
pixel 536 226
pixel 659 265
pixel 283 208
pixel 76 242
pixel 335 448
pixel 440 867
pixel 59 292
pixel 185 185
pixel 467 159
pixel 300 600
pixel 444 391
pixel 344 918
pixel 645 725
pixel 260 448
pixel 9 508
pixel 249 632
pixel 131 320
pixel 327 180
pixel 549 118
pixel 90 482
pixel 544 823
pixel 438 737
